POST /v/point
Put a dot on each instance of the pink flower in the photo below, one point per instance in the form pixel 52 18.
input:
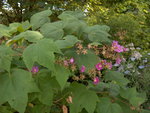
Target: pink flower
pixel 82 69
pixel 96 80
pixel 108 65
pixel 35 69
pixel 99 66
pixel 118 60
pixel 71 60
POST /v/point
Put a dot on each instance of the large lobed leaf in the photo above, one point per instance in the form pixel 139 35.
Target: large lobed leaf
pixel 14 89
pixel 38 19
pixel 42 52
pixel 52 30
pixel 82 98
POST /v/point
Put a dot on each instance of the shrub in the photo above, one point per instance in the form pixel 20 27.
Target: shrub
pixel 50 67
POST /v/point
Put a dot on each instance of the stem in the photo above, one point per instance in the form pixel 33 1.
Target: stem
pixel 56 101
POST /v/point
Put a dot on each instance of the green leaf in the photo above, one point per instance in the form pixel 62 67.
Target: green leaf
pixel 15 89
pixel 97 33
pixel 31 36
pixel 68 42
pixel 132 95
pixel 81 59
pixel 52 30
pixel 38 19
pixel 6 54
pixel 117 77
pixel 42 52
pixel 106 106
pixel 61 74
pixel 82 98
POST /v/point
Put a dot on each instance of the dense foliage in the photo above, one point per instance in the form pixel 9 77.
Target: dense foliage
pixel 63 66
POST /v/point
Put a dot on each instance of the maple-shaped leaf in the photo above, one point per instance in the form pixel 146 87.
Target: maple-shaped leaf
pixel 14 89
pixel 41 52
pixel 52 30
pixel 38 19
pixel 82 98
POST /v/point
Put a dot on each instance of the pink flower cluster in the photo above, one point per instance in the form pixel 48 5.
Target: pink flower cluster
pixel 118 48
pixel 103 64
